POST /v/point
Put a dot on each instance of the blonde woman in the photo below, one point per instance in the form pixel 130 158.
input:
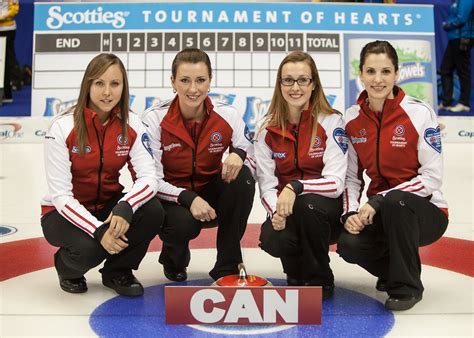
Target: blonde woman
pixel 301 161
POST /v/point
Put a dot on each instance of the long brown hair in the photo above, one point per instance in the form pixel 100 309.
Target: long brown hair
pixel 94 70
pixel 278 112
pixel 191 55
pixel 378 47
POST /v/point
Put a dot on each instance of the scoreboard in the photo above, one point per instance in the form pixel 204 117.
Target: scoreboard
pixel 245 42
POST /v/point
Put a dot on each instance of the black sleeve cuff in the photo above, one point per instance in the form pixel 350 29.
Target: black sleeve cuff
pixel 297 186
pixel 375 202
pixel 186 198
pixel 347 215
pixel 242 153
pixel 124 210
pixel 100 231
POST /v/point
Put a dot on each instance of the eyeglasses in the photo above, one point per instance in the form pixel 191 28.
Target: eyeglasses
pixel 302 81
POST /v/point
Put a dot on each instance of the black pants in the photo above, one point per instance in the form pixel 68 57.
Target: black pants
pixel 78 252
pixel 388 248
pixel 232 202
pixel 10 62
pixel 303 246
pixel 459 60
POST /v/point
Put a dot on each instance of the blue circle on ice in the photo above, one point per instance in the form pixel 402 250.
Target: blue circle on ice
pixel 7 230
pixel 348 313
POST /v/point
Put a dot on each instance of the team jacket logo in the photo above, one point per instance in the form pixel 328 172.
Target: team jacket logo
pixel 216 146
pixel 398 139
pixel 399 130
pixel 216 137
pixel 279 154
pixel 340 137
pixel 146 143
pixel 317 149
pixel 317 142
pixel 355 140
pixel 122 148
pixel 122 140
pixel 433 138
pixel 75 149
pixel 171 146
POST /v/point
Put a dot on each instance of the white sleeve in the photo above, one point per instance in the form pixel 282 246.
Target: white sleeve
pixel 267 181
pixel 241 138
pixel 354 184
pixel 165 191
pixel 250 161
pixel 59 179
pixel 241 135
pixel 140 157
pixel 335 162
pixel 430 173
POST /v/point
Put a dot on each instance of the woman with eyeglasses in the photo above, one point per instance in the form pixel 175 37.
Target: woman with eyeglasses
pixel 189 136
pixel 301 159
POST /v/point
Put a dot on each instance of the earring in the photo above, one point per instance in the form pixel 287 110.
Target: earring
pixel 209 90
pixel 174 91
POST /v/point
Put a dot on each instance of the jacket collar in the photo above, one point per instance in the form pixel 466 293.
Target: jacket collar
pixel 92 118
pixel 389 104
pixel 174 122
pixel 306 123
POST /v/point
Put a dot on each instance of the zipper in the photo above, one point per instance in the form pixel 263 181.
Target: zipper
pixel 295 134
pixel 377 144
pixel 101 163
pixel 195 140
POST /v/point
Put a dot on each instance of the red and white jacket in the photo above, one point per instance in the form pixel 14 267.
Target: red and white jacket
pixel 81 184
pixel 182 164
pixel 401 150
pixel 282 158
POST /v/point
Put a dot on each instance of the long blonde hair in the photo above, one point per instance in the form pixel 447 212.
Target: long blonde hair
pixel 94 70
pixel 278 112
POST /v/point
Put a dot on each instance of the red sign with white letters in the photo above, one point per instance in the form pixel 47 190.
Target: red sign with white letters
pixel 243 305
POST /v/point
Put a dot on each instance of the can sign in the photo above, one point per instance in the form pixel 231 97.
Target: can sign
pixel 243 306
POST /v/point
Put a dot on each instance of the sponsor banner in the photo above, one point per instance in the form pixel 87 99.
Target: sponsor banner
pixel 456 129
pixel 23 129
pixel 243 305
pixel 263 16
